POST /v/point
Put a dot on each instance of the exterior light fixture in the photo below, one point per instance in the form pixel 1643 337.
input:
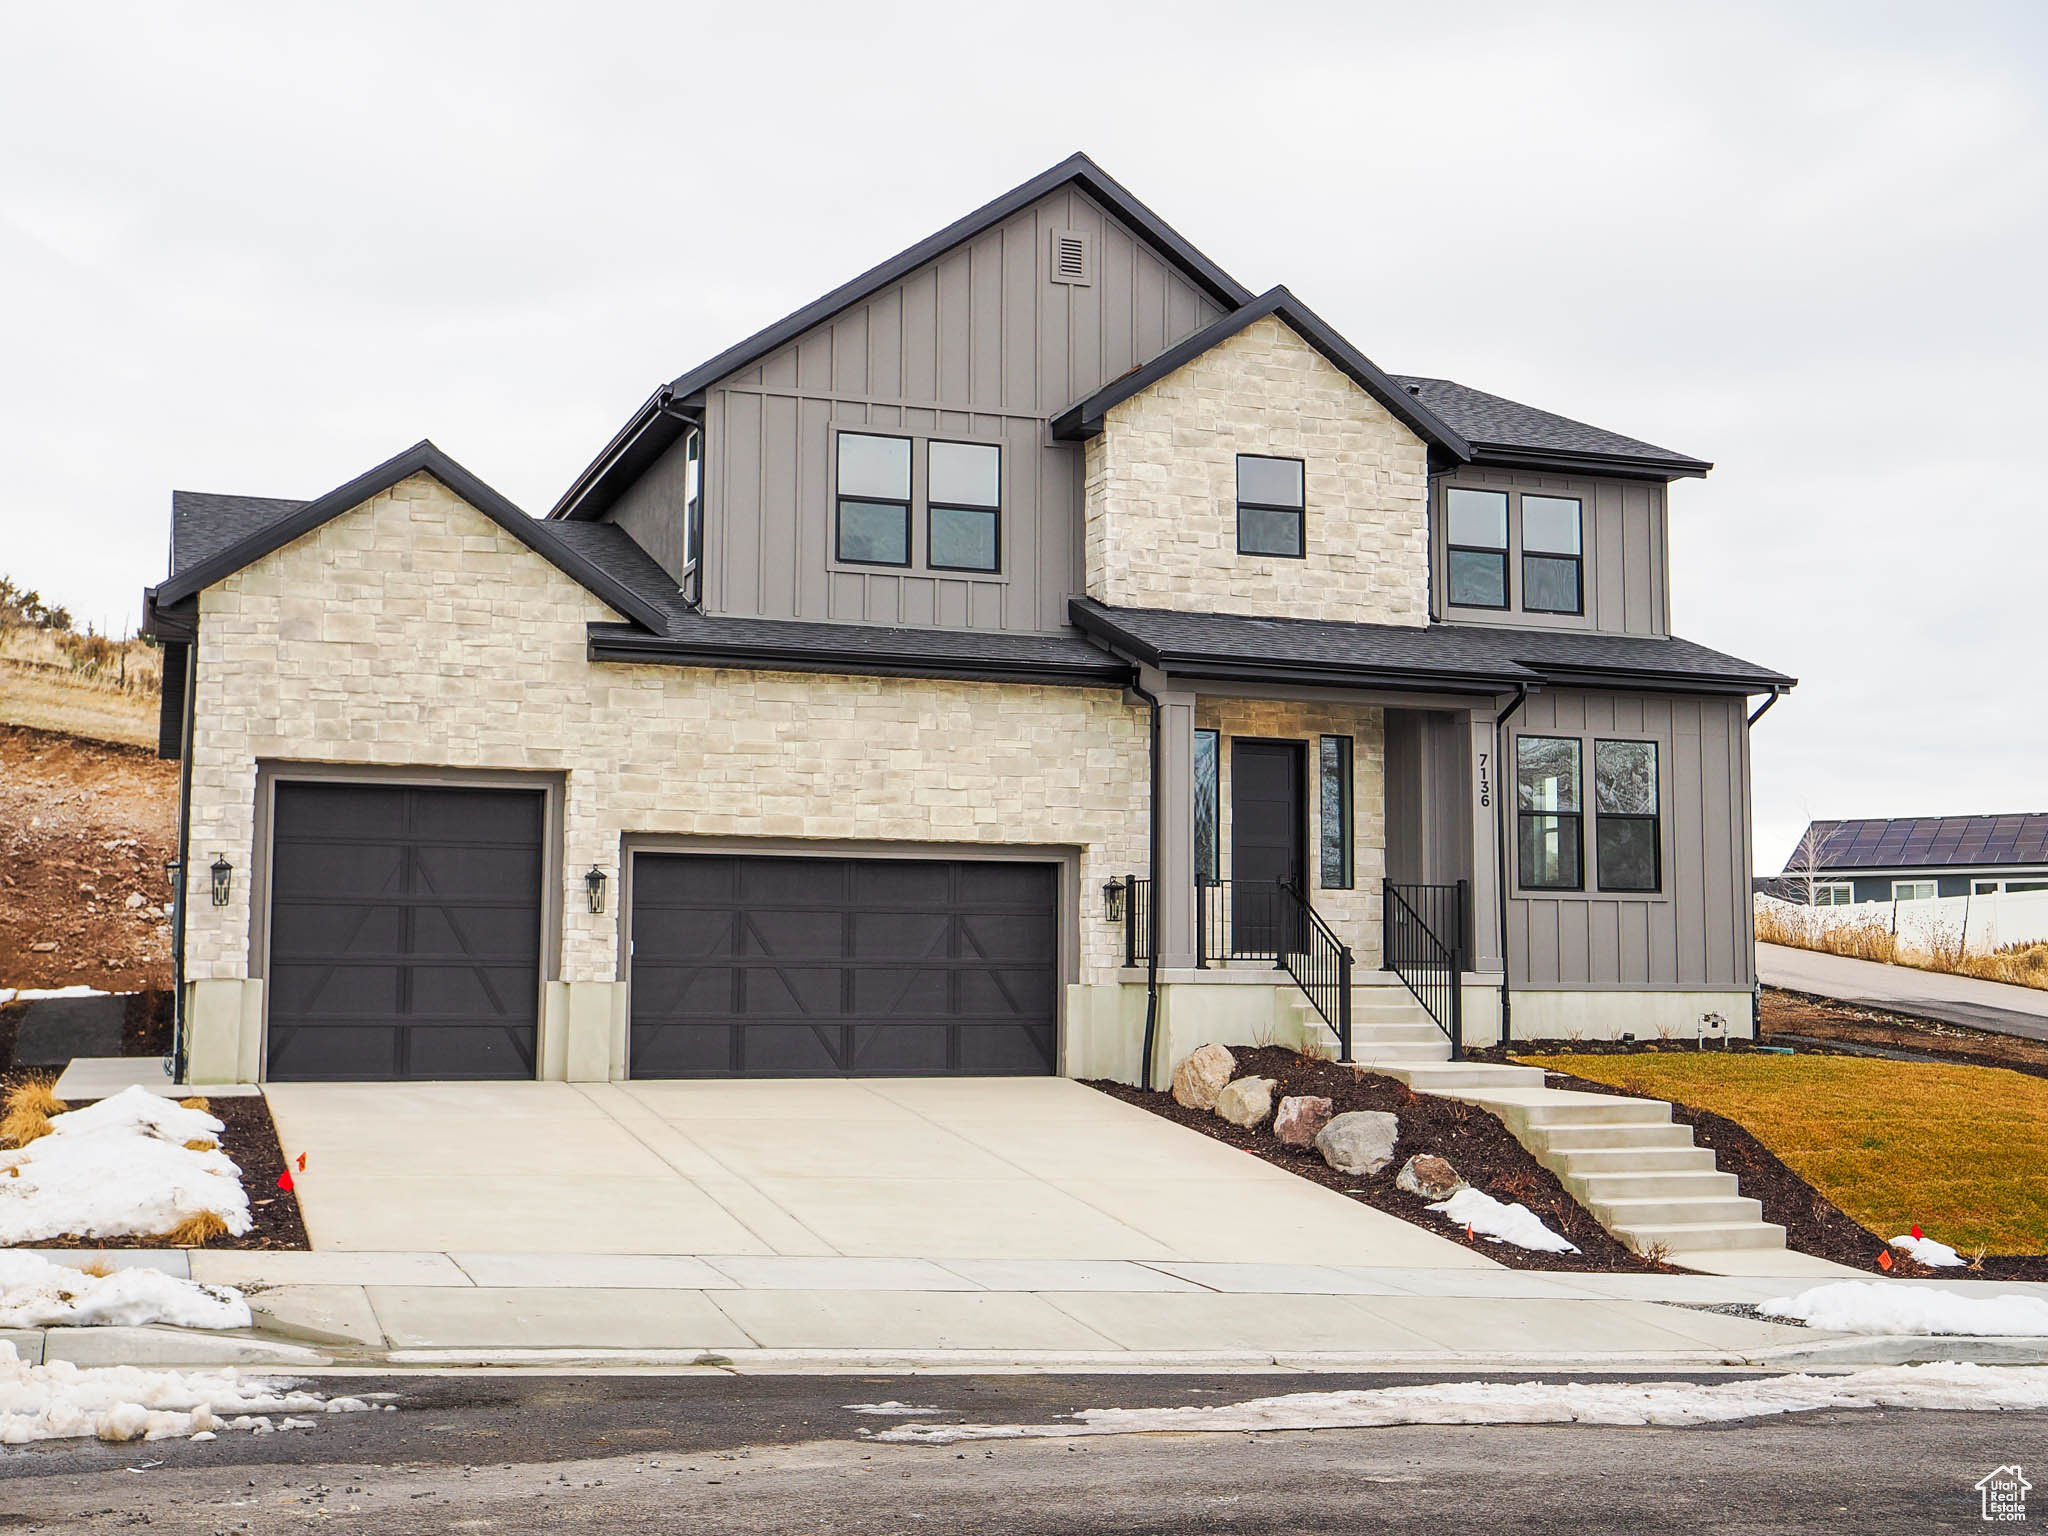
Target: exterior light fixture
pixel 223 881
pixel 1113 900
pixel 594 883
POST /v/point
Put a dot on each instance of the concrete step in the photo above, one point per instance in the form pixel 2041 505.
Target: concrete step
pixel 1649 1184
pixel 1464 1079
pixel 1658 1212
pixel 1402 1051
pixel 1556 1140
pixel 1568 1109
pixel 1424 1033
pixel 1701 1236
pixel 1627 1159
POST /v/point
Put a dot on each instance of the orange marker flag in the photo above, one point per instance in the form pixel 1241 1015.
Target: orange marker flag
pixel 284 1181
pixel 1468 1233
pixel 1884 1260
pixel 302 1169
pixel 1917 1233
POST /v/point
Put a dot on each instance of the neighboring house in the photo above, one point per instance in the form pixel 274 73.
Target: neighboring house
pixel 1038 647
pixel 1914 858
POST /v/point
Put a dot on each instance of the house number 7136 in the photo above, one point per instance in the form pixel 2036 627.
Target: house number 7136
pixel 1485 781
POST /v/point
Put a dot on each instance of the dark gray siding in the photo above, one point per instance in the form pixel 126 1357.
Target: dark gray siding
pixel 651 510
pixel 1694 934
pixel 1429 827
pixel 1625 571
pixel 979 344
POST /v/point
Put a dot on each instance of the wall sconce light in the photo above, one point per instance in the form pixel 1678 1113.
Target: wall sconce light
pixel 594 883
pixel 1113 900
pixel 223 881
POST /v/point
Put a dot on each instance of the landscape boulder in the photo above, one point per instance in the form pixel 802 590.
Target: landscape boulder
pixel 1429 1176
pixel 1247 1101
pixel 1200 1075
pixel 1360 1141
pixel 1298 1119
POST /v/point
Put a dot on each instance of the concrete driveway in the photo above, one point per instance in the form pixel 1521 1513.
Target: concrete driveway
pixel 993 1172
pixel 1992 1005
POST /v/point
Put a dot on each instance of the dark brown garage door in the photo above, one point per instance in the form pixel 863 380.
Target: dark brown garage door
pixel 791 967
pixel 404 932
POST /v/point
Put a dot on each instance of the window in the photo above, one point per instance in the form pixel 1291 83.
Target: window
pixel 1479 547
pixel 1627 848
pixel 963 489
pixel 693 518
pixel 1914 890
pixel 1334 826
pixel 1207 797
pixel 1835 893
pixel 1547 812
pixel 1271 506
pixel 874 499
pixel 2018 887
pixel 1984 888
pixel 1550 555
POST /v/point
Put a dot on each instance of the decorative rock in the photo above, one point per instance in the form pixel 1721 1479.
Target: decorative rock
pixel 1247 1101
pixel 1359 1141
pixel 1429 1176
pixel 1298 1119
pixel 136 901
pixel 1200 1075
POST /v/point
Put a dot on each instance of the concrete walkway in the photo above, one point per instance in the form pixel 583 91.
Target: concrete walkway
pixel 1992 1005
pixel 982 1169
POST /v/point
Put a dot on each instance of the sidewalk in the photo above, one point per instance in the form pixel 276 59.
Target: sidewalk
pixel 778 1313
pixel 1994 1005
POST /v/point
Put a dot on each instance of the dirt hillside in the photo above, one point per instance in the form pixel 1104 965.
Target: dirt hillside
pixel 85 829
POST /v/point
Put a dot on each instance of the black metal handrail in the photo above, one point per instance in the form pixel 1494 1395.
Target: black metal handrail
pixel 1423 941
pixel 1320 964
pixel 1273 920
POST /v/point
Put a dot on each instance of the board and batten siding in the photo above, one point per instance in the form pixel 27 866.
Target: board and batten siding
pixel 1625 561
pixel 1693 935
pixel 979 344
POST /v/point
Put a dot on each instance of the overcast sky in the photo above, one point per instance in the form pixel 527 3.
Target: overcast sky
pixel 246 250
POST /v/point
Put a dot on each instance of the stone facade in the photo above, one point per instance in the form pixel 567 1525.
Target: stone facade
pixel 1355 913
pixel 1161 490
pixel 413 631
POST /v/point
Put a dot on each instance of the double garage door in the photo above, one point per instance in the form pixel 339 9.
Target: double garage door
pixel 406 930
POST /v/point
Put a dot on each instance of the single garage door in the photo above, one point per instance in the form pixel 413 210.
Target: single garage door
pixel 796 967
pixel 404 932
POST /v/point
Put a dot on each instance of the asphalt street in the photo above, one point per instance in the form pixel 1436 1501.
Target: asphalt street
pixel 1997 1006
pixel 784 1454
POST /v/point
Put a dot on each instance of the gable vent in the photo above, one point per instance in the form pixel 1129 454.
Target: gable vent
pixel 1073 257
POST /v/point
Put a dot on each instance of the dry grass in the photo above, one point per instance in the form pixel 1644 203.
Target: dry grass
pixel 25 1113
pixel 202 1146
pixel 52 702
pixel 133 667
pixel 196 1231
pixel 195 1102
pixel 99 1269
pixel 1871 938
pixel 1957 1149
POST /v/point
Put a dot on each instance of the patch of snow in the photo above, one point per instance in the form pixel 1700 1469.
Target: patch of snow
pixel 1500 1223
pixel 892 1407
pixel 44 994
pixel 1868 1306
pixel 62 1401
pixel 119 1168
pixel 1941 1387
pixel 35 1293
pixel 1929 1252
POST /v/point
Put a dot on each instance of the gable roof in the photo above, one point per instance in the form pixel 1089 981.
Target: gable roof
pixel 1506 431
pixel 652 428
pixel 1085 418
pixel 1929 842
pixel 223 534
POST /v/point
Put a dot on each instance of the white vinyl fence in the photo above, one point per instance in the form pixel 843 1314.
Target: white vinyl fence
pixel 1983 923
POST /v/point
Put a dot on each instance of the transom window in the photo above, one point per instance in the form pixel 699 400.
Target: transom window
pixel 1550 554
pixel 874 499
pixel 1627 847
pixel 965 495
pixel 1479 547
pixel 1271 506
pixel 1550 836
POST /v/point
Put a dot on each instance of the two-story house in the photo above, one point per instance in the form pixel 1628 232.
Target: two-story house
pixel 1038 652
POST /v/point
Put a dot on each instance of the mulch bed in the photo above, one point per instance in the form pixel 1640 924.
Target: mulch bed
pixel 1813 1223
pixel 1483 1150
pixel 250 1139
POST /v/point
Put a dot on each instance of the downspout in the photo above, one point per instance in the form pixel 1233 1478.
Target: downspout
pixel 1152 902
pixel 1502 828
pixel 1756 988
pixel 174 1063
pixel 1765 708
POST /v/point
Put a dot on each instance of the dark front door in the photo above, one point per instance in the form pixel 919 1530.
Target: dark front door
pixel 759 966
pixel 1267 841
pixel 404 932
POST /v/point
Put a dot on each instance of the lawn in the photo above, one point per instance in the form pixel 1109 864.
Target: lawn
pixel 1959 1150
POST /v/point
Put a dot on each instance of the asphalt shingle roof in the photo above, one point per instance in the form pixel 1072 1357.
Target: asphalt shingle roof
pixel 1931 842
pixel 206 523
pixel 1492 421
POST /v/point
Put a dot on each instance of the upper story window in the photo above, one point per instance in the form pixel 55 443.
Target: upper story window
pixel 874 499
pixel 1272 506
pixel 1834 893
pixel 1478 546
pixel 1550 554
pixel 1549 839
pixel 1914 890
pixel 964 488
pixel 1627 845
